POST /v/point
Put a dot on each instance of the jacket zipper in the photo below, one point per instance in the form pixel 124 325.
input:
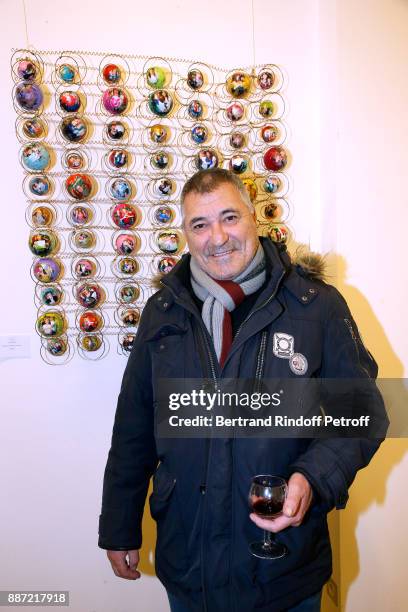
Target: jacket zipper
pixel 213 372
pixel 209 444
pixel 210 357
pixel 261 358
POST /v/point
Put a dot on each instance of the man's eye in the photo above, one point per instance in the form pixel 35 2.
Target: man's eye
pixel 231 219
pixel 197 227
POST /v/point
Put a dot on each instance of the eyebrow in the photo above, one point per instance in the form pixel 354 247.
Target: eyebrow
pixel 223 212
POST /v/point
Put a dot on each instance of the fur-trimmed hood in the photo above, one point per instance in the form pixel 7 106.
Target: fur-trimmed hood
pixel 313 265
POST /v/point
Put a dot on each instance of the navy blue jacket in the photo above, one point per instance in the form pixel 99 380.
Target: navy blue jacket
pixel 200 487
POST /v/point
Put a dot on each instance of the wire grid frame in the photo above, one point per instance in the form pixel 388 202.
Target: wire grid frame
pixel 107 143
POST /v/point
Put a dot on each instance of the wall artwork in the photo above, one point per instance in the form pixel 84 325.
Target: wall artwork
pixel 107 142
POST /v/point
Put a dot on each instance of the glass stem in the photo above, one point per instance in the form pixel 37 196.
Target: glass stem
pixel 268 539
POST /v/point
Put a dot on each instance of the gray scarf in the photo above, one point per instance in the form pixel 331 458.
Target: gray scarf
pixel 221 297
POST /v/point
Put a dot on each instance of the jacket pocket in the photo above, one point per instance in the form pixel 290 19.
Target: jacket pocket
pixel 163 485
pixel 307 562
pixel 172 560
pixel 168 352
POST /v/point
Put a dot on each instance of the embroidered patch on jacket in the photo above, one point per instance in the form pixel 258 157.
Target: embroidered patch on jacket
pixel 283 345
pixel 298 364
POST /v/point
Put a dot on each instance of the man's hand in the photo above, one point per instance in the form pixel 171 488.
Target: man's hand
pixel 124 563
pixel 297 503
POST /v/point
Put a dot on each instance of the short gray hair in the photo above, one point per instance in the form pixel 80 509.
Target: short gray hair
pixel 206 181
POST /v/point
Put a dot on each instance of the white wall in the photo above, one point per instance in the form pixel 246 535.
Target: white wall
pixel 342 94
pixel 371 213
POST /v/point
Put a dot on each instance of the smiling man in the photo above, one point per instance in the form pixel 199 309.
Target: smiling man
pixel 233 307
pixel 221 230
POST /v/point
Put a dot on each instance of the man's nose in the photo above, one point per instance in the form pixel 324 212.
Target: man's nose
pixel 218 234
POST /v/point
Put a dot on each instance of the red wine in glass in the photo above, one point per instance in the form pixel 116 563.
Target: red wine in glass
pixel 266 498
pixel 267 508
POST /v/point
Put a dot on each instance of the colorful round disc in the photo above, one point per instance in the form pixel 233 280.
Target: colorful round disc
pixel 239 84
pixel 266 109
pixel 39 186
pixel 124 215
pixel 199 134
pixel 115 100
pixel 91 343
pixel 35 157
pixel 89 295
pixel 272 184
pixel 156 77
pixel 160 102
pixel 79 186
pixel 163 215
pixel 269 211
pixel 126 244
pixel 116 130
pixel 42 242
pixel 74 160
pixel 57 346
pixel 128 266
pixel 168 242
pixel 83 239
pixel 111 74
pixel 275 159
pixel 238 164
pixel 51 323
pixel 118 158
pixel 69 101
pixel 129 293
pixel 130 317
pixel 159 133
pixel 164 187
pixel 160 160
pixel 27 70
pixel 90 321
pixel 251 188
pixel 47 270
pixel 237 140
pixel 128 342
pixel 166 264
pixel 74 129
pixel 235 111
pixel 265 79
pixel 50 296
pixel 84 268
pixel 206 159
pixel 278 233
pixel 195 109
pixel 34 128
pixel 29 96
pixel 269 133
pixel 42 215
pixel 120 189
pixel 66 73
pixel 80 215
pixel 195 79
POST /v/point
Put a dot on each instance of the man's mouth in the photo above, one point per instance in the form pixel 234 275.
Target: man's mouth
pixel 223 253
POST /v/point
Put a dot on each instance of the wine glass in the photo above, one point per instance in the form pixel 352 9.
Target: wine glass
pixel 266 498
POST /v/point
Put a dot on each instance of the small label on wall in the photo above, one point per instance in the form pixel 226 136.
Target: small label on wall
pixel 17 347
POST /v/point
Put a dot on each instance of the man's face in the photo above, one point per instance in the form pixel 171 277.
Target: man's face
pixel 220 231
